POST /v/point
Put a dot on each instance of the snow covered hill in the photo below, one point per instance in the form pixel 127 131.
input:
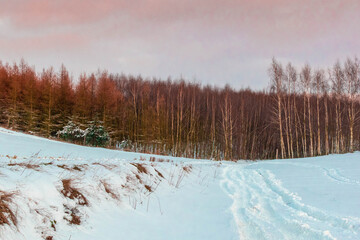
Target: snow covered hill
pixel 54 190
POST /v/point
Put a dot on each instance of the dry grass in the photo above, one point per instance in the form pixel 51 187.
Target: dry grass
pixel 138 178
pixel 77 168
pixel 63 167
pixel 48 163
pixel 175 179
pixel 27 165
pixel 153 159
pixel 180 178
pixel 7 216
pixel 107 166
pixel 140 167
pixel 74 218
pixel 109 190
pixel 187 168
pixel 148 188
pixel 159 173
pixel 73 193
pixel 130 185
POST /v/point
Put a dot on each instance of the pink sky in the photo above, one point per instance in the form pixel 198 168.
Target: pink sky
pixel 215 42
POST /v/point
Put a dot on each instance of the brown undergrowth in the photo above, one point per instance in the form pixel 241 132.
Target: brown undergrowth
pixel 109 190
pixel 187 168
pixel 106 166
pixel 73 193
pixel 78 168
pixel 27 165
pixel 7 216
pixel 140 167
pixel 154 159
pixel 73 215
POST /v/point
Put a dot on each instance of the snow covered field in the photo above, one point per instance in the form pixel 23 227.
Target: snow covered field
pixel 54 190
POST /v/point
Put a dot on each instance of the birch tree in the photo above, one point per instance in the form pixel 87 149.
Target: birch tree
pixel 305 78
pixel 276 74
pixel 337 82
pixel 325 91
pixel 351 89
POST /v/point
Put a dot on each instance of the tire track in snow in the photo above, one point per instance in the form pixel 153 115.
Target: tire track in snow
pixel 294 202
pixel 331 173
pixel 258 218
pixel 337 176
pixel 263 209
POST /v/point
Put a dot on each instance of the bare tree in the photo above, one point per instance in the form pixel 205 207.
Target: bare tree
pixel 325 91
pixel 180 112
pixel 291 77
pixel 213 128
pixel 351 69
pixel 337 80
pixel 227 125
pixel 276 73
pixel 318 82
pixel 305 78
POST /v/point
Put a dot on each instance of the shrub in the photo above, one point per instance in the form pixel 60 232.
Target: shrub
pixel 96 135
pixel 72 132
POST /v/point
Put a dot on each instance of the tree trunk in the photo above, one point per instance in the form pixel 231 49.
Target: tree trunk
pixel 326 127
pixel 310 128
pixel 337 139
pixel 280 127
pixel 287 130
pixel 351 124
pixel 318 127
pixel 304 126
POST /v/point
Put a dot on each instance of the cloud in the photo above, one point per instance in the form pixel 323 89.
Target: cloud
pixel 216 41
pixel 43 13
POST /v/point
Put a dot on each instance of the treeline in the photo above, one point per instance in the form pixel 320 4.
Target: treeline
pixel 305 112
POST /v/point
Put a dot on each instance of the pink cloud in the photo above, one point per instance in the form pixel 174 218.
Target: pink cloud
pixel 271 19
pixel 34 44
pixel 187 36
pixel 35 13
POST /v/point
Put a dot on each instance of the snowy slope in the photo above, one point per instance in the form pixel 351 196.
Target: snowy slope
pixel 184 199
pixel 296 199
pixel 63 191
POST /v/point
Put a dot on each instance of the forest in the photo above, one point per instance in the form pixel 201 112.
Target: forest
pixel 303 112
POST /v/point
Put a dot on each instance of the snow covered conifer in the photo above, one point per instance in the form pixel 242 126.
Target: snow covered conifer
pixel 72 132
pixel 96 135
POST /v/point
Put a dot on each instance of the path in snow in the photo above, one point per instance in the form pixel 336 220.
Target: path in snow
pixel 332 173
pixel 263 209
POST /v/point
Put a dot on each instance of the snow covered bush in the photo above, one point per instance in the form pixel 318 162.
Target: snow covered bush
pixel 96 135
pixel 72 132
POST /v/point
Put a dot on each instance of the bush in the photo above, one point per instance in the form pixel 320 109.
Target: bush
pixel 71 132
pixel 96 135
